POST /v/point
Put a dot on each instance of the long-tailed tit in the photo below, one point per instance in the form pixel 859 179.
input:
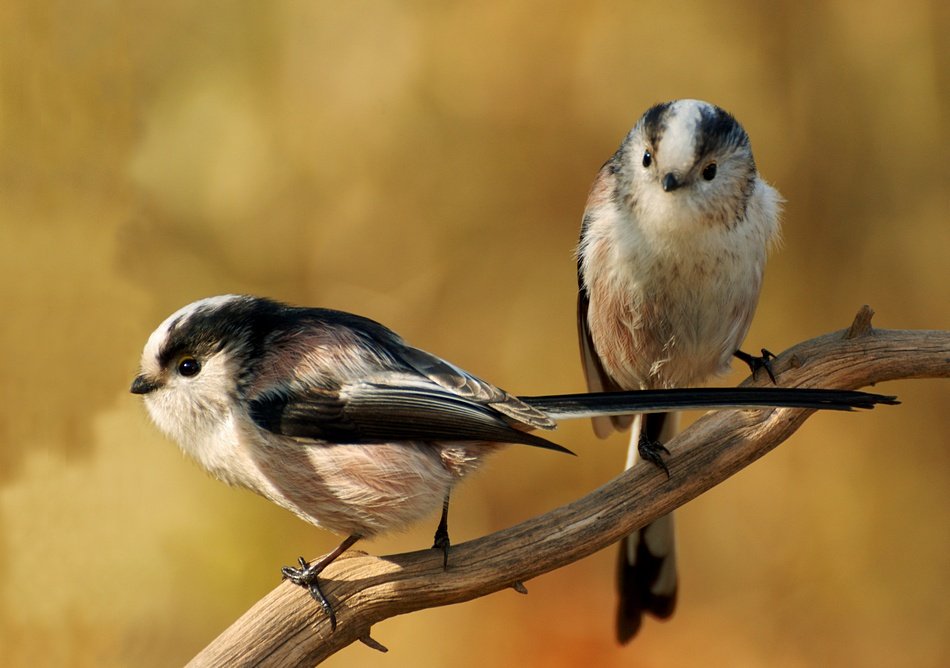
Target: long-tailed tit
pixel 672 250
pixel 337 419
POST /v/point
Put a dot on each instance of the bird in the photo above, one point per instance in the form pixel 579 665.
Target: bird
pixel 673 243
pixel 337 419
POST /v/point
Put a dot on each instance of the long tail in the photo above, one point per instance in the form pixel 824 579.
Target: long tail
pixel 647 580
pixel 571 406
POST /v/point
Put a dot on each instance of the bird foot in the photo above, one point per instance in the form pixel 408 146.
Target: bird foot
pixel 307 577
pixel 756 362
pixel 653 451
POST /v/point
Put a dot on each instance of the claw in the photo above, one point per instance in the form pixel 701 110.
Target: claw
pixel 307 577
pixel 653 451
pixel 756 362
pixel 441 540
pixel 443 543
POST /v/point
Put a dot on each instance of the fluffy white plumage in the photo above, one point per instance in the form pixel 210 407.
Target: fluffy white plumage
pixel 675 237
pixel 340 487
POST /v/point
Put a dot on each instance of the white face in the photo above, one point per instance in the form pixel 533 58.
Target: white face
pixel 188 385
pixel 687 163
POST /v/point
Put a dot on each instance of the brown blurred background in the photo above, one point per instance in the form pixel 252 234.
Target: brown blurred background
pixel 427 165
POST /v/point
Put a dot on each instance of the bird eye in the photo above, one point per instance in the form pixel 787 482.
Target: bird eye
pixel 709 171
pixel 189 366
pixel 647 158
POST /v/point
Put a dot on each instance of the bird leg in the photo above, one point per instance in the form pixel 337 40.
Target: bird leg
pixel 442 541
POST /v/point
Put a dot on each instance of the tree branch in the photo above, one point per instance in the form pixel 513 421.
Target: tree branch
pixel 286 628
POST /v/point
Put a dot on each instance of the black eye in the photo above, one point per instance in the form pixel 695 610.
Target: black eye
pixel 189 366
pixel 709 171
pixel 647 159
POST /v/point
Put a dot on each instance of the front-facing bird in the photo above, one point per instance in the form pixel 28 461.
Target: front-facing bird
pixel 671 256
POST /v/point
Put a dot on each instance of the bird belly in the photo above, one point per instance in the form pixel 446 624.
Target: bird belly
pixel 364 489
pixel 672 325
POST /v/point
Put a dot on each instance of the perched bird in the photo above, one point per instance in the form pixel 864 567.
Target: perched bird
pixel 672 251
pixel 335 418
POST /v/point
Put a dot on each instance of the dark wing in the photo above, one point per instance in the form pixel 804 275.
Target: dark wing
pixel 597 378
pixel 461 383
pixel 356 381
pixel 395 408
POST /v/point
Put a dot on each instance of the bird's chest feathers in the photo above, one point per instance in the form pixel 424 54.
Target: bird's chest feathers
pixel 222 449
pixel 669 310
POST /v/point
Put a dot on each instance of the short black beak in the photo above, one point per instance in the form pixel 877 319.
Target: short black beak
pixel 670 182
pixel 143 385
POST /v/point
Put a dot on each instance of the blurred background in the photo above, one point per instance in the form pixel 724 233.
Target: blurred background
pixel 426 164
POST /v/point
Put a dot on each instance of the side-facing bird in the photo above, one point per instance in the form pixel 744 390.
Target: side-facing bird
pixel 337 419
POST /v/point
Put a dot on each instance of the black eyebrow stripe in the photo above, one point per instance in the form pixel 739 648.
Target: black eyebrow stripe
pixel 251 323
pixel 718 129
pixel 169 349
pixel 654 122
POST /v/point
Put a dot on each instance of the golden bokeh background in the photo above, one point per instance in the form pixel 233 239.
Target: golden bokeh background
pixel 426 164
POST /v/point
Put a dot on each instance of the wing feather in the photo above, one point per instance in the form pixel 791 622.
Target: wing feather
pixel 374 412
pixel 355 381
pixel 597 378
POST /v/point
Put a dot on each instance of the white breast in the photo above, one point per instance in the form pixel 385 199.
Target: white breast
pixel 669 305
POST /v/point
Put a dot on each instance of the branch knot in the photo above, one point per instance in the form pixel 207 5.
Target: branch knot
pixel 862 324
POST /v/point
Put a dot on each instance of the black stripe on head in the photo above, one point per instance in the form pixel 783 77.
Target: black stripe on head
pixel 653 122
pixel 248 326
pixel 718 130
pixel 241 322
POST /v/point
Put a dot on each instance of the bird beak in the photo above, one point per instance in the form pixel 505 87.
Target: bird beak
pixel 143 385
pixel 671 182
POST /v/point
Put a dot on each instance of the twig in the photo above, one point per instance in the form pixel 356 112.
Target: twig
pixel 285 628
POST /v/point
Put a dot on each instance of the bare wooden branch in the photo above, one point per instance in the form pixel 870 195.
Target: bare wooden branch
pixel 286 628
